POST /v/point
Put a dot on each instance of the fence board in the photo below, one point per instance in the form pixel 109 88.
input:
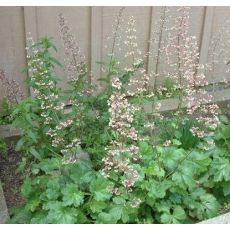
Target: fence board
pixel 96 42
pixel 12 45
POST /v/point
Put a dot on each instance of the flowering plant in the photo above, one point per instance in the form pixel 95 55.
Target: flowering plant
pixel 109 160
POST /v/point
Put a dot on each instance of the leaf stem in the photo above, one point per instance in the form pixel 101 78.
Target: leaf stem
pixel 176 168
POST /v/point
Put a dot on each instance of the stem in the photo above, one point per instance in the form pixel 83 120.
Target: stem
pixel 179 61
pixel 159 48
pixel 159 164
pixel 56 154
pixel 115 34
pixel 176 168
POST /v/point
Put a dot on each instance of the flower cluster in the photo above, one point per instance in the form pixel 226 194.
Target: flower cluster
pixel 131 42
pixel 55 133
pixel 121 112
pixel 159 43
pixel 76 68
pixel 120 155
pixel 138 84
pixel 42 81
pixel 118 160
pixel 135 202
pixel 182 60
pixel 11 88
pixel 116 35
pixel 140 78
pixel 167 143
pixel 125 38
pixel 51 106
pixel 74 60
pixel 161 90
pixel 218 56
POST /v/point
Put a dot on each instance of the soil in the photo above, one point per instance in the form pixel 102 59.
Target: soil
pixel 10 179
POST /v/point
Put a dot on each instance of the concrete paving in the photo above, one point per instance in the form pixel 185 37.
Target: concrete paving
pixel 223 219
pixel 3 208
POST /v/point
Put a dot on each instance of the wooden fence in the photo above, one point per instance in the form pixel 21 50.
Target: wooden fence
pixel 92 26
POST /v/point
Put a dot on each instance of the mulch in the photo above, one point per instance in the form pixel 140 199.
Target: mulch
pixel 10 179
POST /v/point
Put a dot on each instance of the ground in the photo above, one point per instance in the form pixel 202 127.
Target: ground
pixel 9 177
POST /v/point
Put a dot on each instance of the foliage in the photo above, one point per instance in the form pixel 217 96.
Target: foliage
pixel 6 110
pixel 176 183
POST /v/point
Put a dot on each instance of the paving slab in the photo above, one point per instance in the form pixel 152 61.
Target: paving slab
pixel 3 208
pixel 223 219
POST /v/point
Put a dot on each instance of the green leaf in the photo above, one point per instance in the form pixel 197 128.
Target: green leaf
pixel 52 204
pixel 32 135
pixel 36 154
pixel 99 188
pixel 221 169
pixel 163 206
pixel 199 161
pixel 223 119
pixel 119 200
pixel 176 142
pixel 225 131
pixel 81 172
pixel 20 144
pixel 179 213
pixel 26 187
pixel 105 218
pixel 171 156
pixel 48 165
pixel 97 206
pixel 72 196
pixel 19 215
pixel 166 218
pixel 59 214
pixel 187 139
pixel 209 205
pixel 81 218
pixel 204 205
pixel 28 118
pixel 39 218
pixel 158 189
pixel 32 204
pixel 145 149
pixel 193 164
pixel 226 188
pixel 54 183
pixel 116 212
pixel 62 215
pixel 176 217
pixel 183 180
pixel 123 213
pixel 155 170
pixel 52 194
